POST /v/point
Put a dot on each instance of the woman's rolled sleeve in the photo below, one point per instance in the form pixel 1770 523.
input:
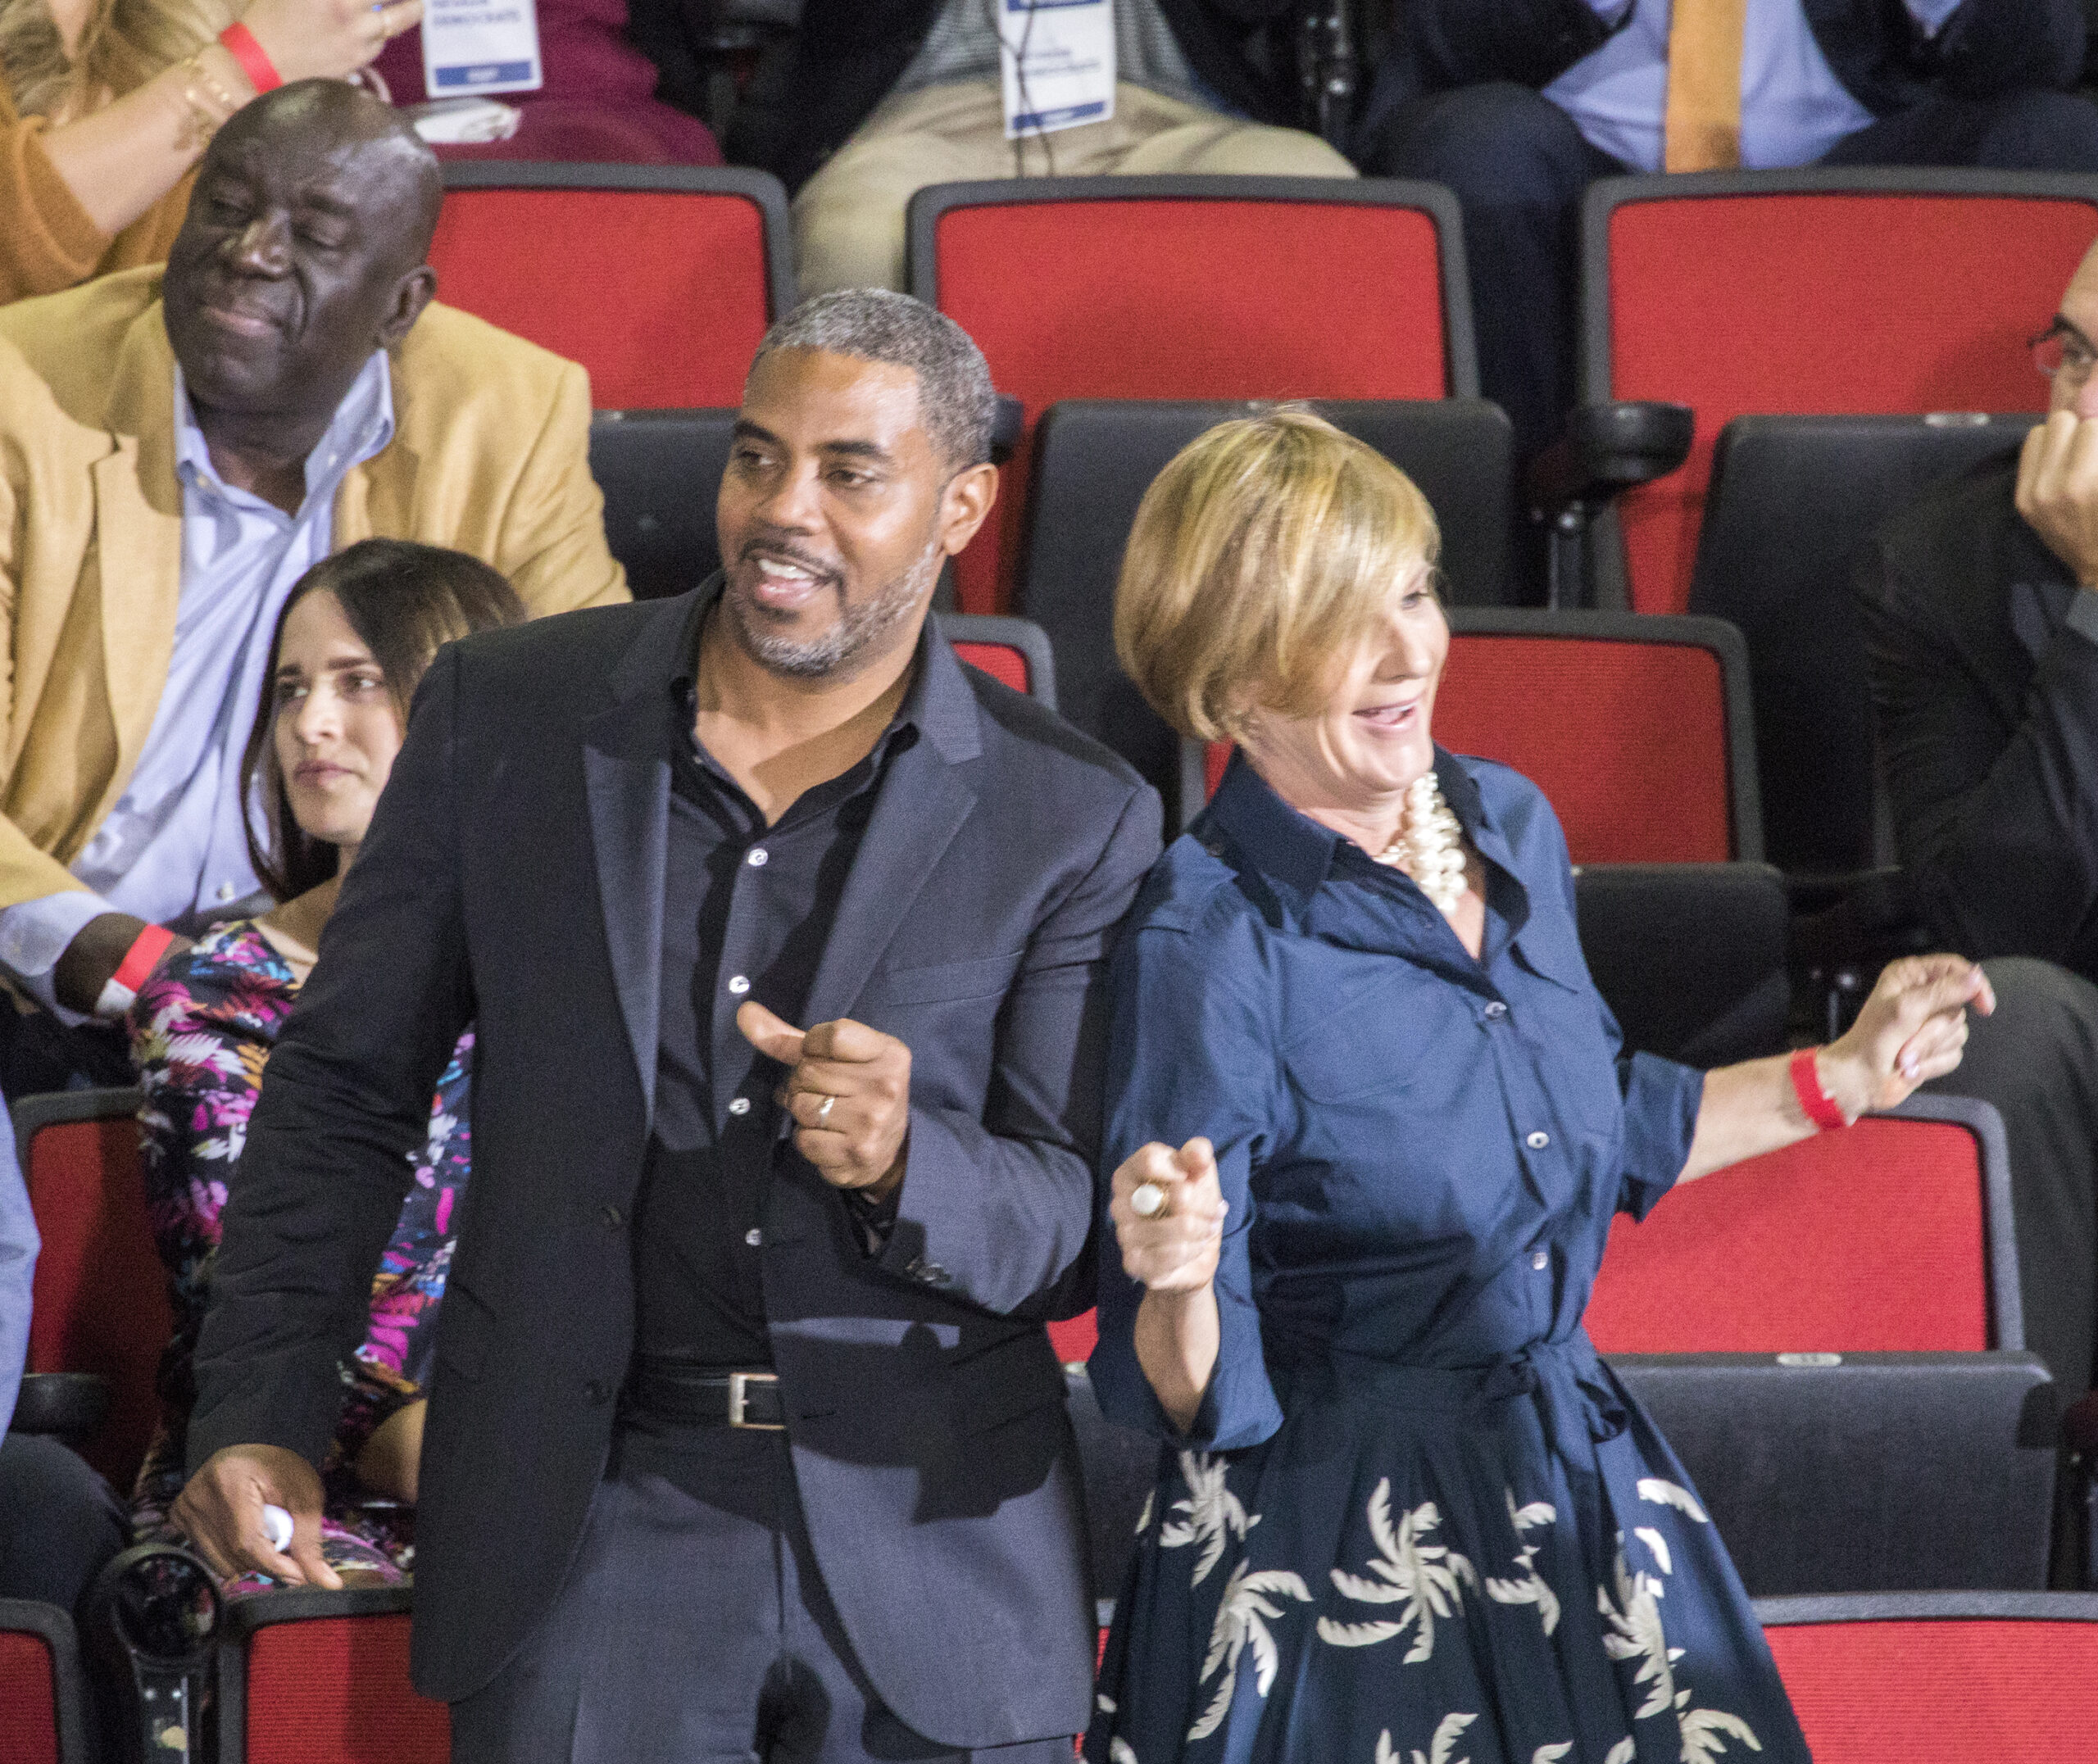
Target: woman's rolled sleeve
pixel 1661 1100
pixel 1192 1053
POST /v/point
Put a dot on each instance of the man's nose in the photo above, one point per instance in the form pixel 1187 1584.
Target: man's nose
pixel 791 500
pixel 2085 404
pixel 263 247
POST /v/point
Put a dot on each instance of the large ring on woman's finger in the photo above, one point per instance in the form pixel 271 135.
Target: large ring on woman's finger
pixel 1146 1200
pixel 824 1108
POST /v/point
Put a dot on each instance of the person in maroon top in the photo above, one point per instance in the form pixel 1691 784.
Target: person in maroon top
pixel 598 103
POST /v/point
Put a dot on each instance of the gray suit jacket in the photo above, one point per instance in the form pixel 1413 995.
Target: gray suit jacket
pixel 513 878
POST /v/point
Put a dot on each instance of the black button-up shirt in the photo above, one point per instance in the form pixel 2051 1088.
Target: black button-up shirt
pixel 748 909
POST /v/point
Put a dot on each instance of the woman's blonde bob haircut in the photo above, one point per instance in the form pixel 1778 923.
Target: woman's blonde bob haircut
pixel 1261 557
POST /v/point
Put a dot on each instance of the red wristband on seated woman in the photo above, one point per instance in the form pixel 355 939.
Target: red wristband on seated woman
pixel 146 951
pixel 255 62
pixel 1821 1108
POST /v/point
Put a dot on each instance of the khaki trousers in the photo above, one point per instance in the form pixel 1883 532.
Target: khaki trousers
pixel 848 219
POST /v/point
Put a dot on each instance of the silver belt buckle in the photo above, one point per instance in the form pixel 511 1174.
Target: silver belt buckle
pixel 739 1389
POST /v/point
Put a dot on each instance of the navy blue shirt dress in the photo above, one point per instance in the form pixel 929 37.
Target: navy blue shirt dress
pixel 1416 1520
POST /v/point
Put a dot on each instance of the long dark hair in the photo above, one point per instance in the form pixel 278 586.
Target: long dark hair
pixel 404 601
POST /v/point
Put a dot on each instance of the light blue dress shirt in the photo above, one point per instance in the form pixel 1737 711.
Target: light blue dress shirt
pixel 1793 108
pixel 19 1244
pixel 174 845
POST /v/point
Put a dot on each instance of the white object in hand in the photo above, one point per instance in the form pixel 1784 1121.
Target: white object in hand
pixel 277 1528
pixel 1147 1200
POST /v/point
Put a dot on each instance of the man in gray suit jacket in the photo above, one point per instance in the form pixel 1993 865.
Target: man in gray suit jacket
pixel 781 931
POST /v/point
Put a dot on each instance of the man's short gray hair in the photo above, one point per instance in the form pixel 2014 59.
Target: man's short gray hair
pixel 874 325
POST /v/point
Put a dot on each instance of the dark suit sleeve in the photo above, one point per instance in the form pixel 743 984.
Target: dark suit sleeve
pixel 1004 1205
pixel 1991 46
pixel 346 1099
pixel 1994 820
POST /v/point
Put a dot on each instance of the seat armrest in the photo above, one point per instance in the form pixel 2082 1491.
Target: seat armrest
pixel 1608 449
pixel 69 1406
pixel 1845 929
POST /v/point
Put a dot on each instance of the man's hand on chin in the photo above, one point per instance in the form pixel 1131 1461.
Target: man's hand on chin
pixel 2058 490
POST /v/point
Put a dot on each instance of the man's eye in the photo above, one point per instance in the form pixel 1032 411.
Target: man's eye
pixel 319 241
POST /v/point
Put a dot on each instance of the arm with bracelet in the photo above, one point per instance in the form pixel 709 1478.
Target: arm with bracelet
pixel 95 151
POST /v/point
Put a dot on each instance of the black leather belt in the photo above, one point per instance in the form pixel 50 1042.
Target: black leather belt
pixel 694 1398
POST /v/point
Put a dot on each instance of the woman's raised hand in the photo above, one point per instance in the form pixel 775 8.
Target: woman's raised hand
pixel 309 40
pixel 1170 1245
pixel 1912 1029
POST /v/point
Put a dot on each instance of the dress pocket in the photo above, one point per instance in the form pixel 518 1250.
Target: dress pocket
pixel 1376 1042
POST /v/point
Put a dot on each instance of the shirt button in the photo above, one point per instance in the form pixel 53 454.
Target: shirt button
pixel 758 858
pixel 739 985
pixel 598 1392
pixel 1538 1141
pixel 225 890
pixel 753 1237
pixel 1496 1008
pixel 1541 1260
pixel 614 1218
pixel 741 1106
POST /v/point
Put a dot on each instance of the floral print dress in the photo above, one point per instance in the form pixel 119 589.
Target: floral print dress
pixel 202 1029
pixel 1415 1520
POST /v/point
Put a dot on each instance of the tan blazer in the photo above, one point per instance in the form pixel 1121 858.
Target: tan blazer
pixel 490 455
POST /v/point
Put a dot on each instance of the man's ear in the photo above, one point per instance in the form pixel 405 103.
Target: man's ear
pixel 412 293
pixel 964 505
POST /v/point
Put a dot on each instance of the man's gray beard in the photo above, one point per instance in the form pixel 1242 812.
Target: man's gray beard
pixel 840 650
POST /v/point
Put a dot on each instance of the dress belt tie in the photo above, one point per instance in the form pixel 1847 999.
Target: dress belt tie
pixel 1578 1403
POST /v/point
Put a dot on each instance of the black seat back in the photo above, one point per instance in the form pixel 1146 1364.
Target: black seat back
pixel 660 471
pixel 1095 458
pixel 1792 502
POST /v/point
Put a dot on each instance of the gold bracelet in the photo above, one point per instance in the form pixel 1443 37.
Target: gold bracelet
pixel 209 107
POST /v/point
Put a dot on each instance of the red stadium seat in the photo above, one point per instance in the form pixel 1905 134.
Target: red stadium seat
pixel 1893 1236
pixel 1108 287
pixel 1806 292
pixel 312 1677
pixel 1637 729
pixel 1939 1678
pixel 1831 1337
pixel 660 279
pixel 41 1707
pixel 100 1300
pixel 1014 651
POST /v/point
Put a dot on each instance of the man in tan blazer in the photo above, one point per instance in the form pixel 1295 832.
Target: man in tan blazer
pixel 174 450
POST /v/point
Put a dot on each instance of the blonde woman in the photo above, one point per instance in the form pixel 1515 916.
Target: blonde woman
pixel 107 105
pixel 1369 1123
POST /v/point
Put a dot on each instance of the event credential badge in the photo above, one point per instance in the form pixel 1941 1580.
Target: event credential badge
pixel 1057 58
pixel 472 47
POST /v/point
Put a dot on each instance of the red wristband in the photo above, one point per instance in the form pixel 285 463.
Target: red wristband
pixel 146 948
pixel 1821 1108
pixel 254 59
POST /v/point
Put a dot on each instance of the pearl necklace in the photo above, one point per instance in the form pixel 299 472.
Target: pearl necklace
pixel 1430 845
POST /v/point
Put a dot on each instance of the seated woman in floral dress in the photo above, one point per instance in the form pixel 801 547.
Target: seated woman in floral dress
pixel 354 638
pixel 1370 1121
